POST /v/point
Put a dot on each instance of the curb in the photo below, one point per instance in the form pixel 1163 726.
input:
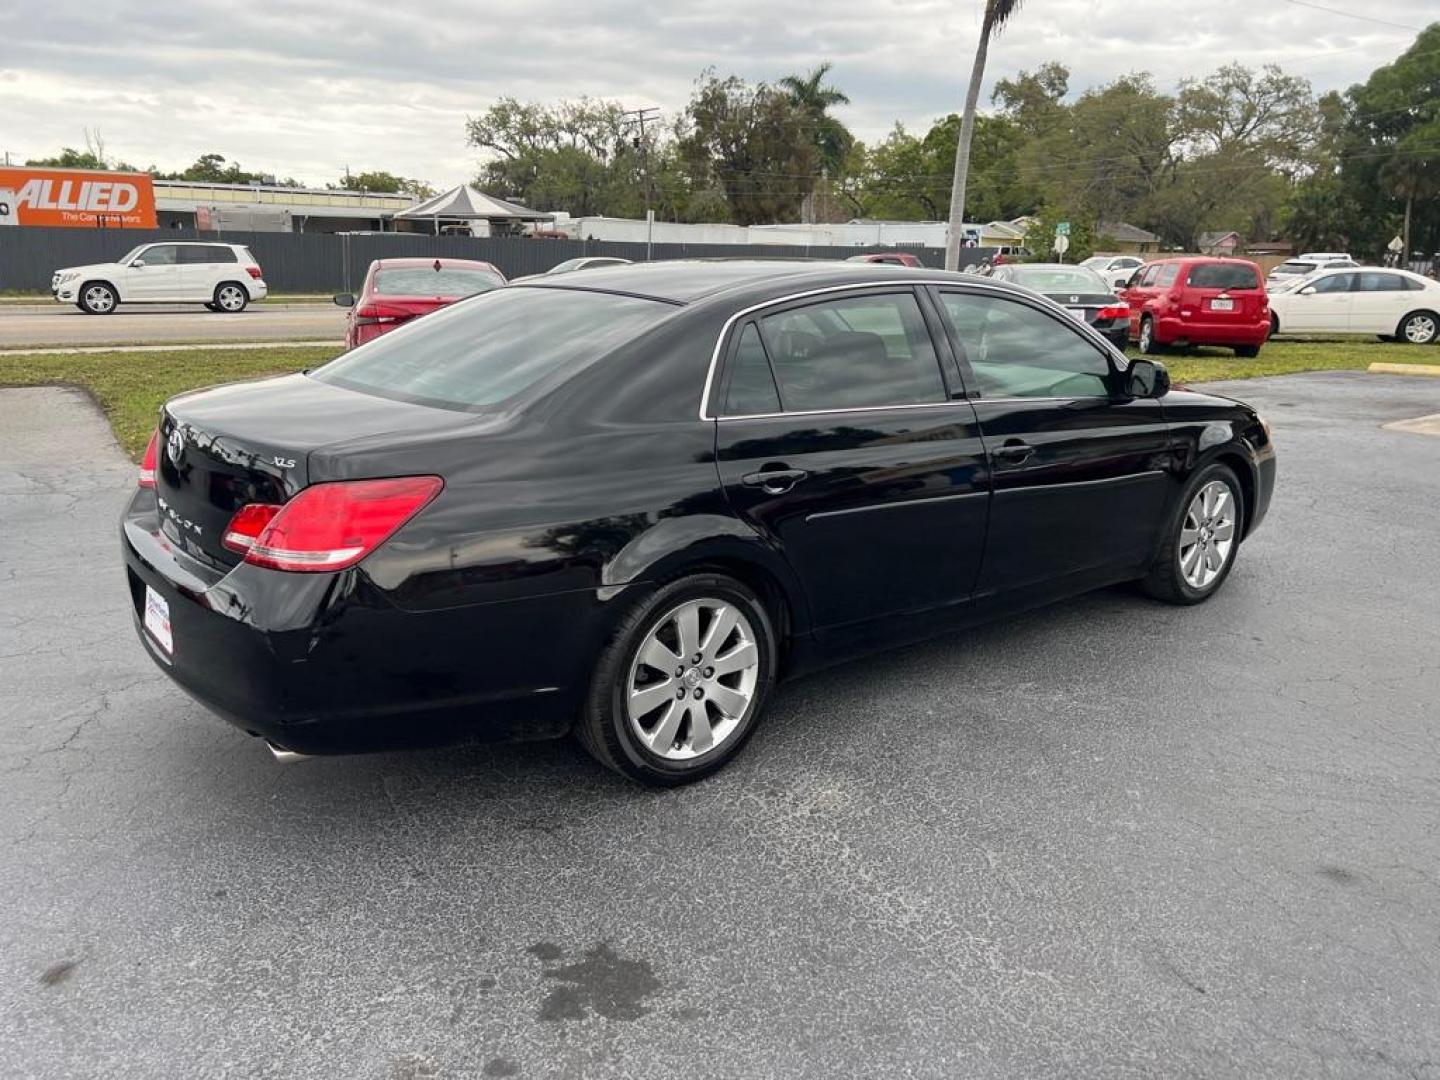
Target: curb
pixel 1404 369
pixel 182 346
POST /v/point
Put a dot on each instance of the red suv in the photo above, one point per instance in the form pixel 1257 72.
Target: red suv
pixel 1199 301
pixel 398 290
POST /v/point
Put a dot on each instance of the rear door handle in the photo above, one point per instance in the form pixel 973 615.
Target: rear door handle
pixel 774 481
pixel 1015 452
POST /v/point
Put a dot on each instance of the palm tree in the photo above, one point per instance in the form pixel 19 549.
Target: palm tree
pixel 997 13
pixel 831 138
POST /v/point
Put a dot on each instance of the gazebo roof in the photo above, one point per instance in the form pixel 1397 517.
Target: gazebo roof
pixel 466 203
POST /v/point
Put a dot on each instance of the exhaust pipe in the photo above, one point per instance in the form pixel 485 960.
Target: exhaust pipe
pixel 285 757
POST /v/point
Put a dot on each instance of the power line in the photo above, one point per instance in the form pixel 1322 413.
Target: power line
pixel 1354 15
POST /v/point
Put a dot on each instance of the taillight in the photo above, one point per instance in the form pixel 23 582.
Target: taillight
pixel 148 462
pixel 329 526
pixel 368 314
pixel 247 525
pixel 253 271
pixel 1118 312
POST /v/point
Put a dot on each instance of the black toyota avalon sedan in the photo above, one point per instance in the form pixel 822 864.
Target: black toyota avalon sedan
pixel 625 503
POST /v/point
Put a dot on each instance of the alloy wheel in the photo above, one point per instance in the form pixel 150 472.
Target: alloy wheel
pixel 1207 535
pixel 1147 335
pixel 1420 329
pixel 99 299
pixel 693 679
pixel 230 298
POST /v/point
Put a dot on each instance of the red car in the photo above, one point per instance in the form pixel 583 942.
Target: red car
pixel 891 258
pixel 399 290
pixel 1199 301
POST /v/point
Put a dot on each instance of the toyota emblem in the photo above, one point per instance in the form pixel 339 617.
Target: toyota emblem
pixel 175 446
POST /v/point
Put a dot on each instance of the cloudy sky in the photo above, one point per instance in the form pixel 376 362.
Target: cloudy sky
pixel 306 90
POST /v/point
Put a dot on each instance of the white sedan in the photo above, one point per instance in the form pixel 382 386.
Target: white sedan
pixel 1391 304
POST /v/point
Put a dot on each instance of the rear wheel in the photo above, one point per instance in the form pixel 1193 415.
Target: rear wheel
pixel 98 298
pixel 230 297
pixel 682 683
pixel 1201 540
pixel 1247 352
pixel 1419 328
pixel 1148 344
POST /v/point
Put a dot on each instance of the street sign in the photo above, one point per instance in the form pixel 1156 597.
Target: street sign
pixel 1062 243
pixel 1395 246
pixel 1062 228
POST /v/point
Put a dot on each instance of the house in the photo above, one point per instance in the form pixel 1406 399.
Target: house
pixel 1219 243
pixel 1119 238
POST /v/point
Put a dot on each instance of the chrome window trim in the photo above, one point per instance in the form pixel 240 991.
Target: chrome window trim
pixel 1065 320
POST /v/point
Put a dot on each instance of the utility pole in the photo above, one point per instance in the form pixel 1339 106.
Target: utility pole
pixel 641 117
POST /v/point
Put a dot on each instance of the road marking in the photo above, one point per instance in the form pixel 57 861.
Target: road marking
pixel 1421 425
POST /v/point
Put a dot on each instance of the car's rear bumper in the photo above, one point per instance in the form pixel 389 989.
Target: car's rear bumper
pixel 324 663
pixel 1173 330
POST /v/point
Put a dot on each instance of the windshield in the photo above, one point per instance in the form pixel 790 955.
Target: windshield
pixel 131 255
pixel 1059 279
pixel 427 281
pixel 489 348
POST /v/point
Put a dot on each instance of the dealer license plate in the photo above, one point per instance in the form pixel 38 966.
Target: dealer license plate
pixel 1224 304
pixel 157 620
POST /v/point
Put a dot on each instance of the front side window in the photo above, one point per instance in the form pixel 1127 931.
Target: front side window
pixel 1148 277
pixel 1333 283
pixel 1236 275
pixel 159 255
pixel 1017 351
pixel 488 349
pixel 860 352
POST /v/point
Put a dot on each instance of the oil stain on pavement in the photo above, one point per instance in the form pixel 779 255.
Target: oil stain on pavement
pixel 603 984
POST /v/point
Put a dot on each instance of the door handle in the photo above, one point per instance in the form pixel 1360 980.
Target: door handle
pixel 1015 452
pixel 774 481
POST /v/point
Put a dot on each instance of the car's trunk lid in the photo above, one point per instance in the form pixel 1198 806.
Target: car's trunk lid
pixel 1085 306
pixel 222 448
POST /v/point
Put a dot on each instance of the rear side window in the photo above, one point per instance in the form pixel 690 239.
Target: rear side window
pixel 859 352
pixel 488 349
pixel 196 254
pixel 1374 282
pixel 752 387
pixel 1236 275
pixel 1167 275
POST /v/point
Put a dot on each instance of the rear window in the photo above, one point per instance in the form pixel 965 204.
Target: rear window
pixel 490 348
pixel 427 281
pixel 1294 268
pixel 1059 279
pixel 1224 276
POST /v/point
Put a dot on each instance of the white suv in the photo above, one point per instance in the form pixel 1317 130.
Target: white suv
pixel 223 277
pixel 1300 266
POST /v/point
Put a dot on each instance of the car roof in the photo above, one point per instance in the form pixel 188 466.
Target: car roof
pixel 684 281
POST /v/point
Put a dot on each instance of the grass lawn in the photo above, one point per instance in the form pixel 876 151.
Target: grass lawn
pixel 130 386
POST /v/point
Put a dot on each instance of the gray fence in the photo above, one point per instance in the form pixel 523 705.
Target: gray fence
pixel 332 262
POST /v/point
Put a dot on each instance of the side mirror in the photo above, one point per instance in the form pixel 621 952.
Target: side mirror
pixel 1308 290
pixel 1147 379
pixel 344 299
pixel 138 263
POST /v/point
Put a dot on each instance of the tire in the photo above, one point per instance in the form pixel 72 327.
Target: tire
pixel 1419 328
pixel 230 297
pixel 1247 352
pixel 98 298
pixel 1168 579
pixel 1147 342
pixel 632 741
pixel 1274 324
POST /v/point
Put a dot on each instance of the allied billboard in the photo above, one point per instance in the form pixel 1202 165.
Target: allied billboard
pixel 76 198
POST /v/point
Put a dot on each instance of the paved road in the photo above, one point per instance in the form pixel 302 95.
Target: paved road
pixel 1111 839
pixel 57 324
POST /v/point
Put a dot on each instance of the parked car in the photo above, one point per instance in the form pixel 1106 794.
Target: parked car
pixel 1392 304
pixel 1116 270
pixel 585 262
pixel 1303 265
pixel 626 506
pixel 888 258
pixel 1198 300
pixel 399 290
pixel 223 277
pixel 1079 290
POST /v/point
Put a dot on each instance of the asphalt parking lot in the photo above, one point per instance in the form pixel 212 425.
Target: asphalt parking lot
pixel 1109 839
pixel 23 325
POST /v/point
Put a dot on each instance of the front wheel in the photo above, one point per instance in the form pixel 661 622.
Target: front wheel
pixel 682 683
pixel 1419 328
pixel 1148 344
pixel 1247 352
pixel 97 298
pixel 230 297
pixel 1202 539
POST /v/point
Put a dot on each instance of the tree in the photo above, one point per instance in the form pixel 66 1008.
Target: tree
pixel 831 138
pixel 997 13
pixel 749 141
pixel 384 182
pixel 213 168
pixel 92 157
